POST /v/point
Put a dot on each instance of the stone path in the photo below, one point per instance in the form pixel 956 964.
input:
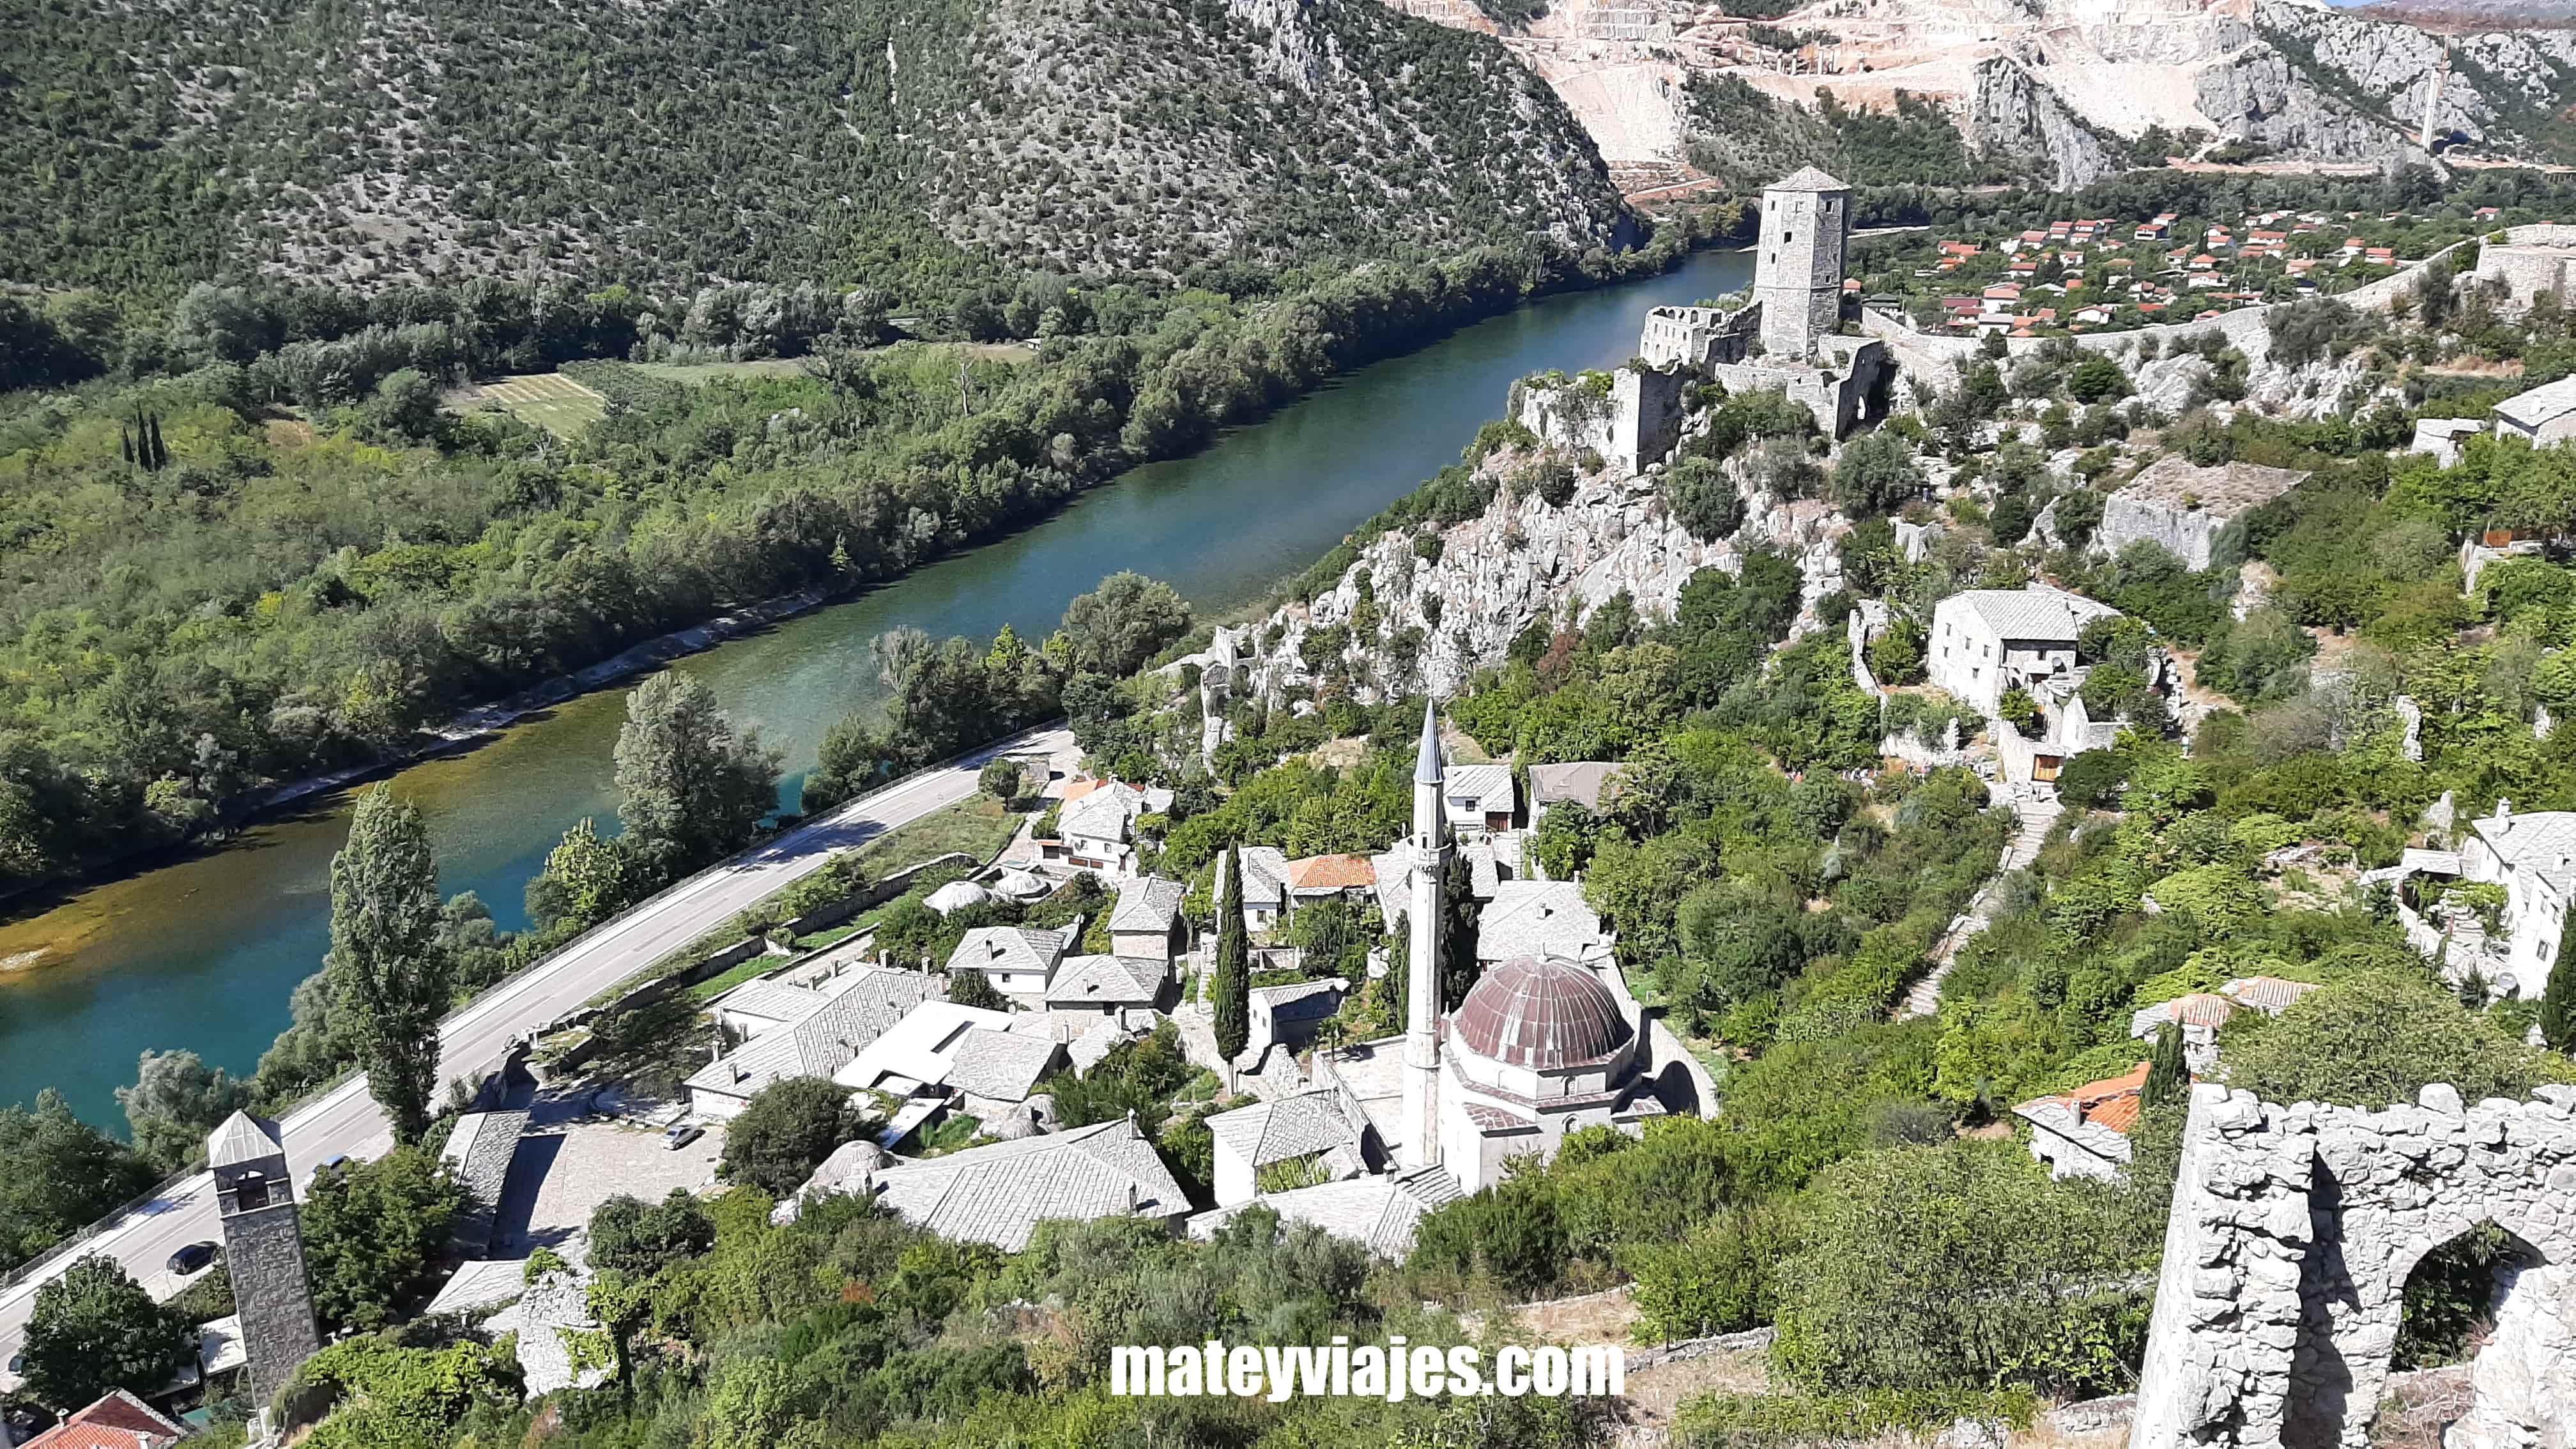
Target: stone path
pixel 2037 818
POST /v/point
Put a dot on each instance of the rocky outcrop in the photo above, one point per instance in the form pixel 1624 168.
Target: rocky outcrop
pixel 1408 622
pixel 2012 112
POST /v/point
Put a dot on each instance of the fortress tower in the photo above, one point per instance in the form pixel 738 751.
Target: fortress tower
pixel 1798 270
pixel 264 1249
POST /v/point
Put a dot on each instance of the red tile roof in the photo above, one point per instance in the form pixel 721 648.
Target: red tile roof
pixel 119 1421
pixel 1331 872
pixel 2111 1102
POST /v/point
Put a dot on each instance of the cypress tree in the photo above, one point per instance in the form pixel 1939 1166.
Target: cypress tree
pixel 1230 991
pixel 2168 1080
pixel 2558 999
pixel 160 454
pixel 125 443
pixel 386 969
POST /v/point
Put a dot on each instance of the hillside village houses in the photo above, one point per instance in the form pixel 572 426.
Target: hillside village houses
pixel 2531 857
pixel 1985 643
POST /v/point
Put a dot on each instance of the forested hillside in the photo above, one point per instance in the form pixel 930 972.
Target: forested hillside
pixel 906 143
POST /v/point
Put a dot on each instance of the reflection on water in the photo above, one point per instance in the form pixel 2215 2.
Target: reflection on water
pixel 202 953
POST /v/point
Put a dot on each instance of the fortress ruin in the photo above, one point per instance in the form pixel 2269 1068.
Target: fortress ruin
pixel 2294 1231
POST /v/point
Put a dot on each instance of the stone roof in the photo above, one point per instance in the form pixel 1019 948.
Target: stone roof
pixel 221 1347
pixel 2036 612
pixel 474 1287
pixel 1103 813
pixel 921 1048
pixel 1806 178
pixel 1107 980
pixel 1319 873
pixel 822 1041
pixel 1380 1212
pixel 999 1194
pixel 479 1151
pixel 1579 783
pixel 1003 1065
pixel 2543 404
pixel 1539 918
pixel 1089 1049
pixel 1490 1118
pixel 1265 877
pixel 119 1421
pixel 1148 904
pixel 2223 491
pixel 2536 840
pixel 1012 948
pixel 1488 788
pixel 770 998
pixel 1275 1131
pixel 242 1138
pixel 957 895
pixel 1542 1012
pixel 1290 994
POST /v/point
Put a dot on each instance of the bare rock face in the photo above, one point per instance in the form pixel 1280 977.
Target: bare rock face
pixel 2011 110
pixel 2259 96
pixel 1417 623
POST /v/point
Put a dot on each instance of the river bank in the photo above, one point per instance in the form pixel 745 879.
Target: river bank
pixel 202 952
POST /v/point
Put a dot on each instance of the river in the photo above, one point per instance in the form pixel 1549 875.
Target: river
pixel 202 953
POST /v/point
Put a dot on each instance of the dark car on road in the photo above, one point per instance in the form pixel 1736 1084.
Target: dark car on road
pixel 192 1258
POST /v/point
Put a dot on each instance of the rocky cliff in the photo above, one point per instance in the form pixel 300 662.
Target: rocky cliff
pixel 2014 112
pixel 1398 621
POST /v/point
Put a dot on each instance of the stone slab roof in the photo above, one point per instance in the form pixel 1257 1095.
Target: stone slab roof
pixel 2536 840
pixel 822 1041
pixel 1806 178
pixel 999 1194
pixel 1379 1212
pixel 1107 981
pixel 1012 948
pixel 474 1287
pixel 1265 877
pixel 1149 904
pixel 769 998
pixel 2268 994
pixel 2225 490
pixel 1489 787
pixel 479 1151
pixel 1003 1065
pixel 1539 918
pixel 2543 404
pixel 1103 813
pixel 2200 1008
pixel 242 1138
pixel 1580 783
pixel 1268 1132
pixel 2036 612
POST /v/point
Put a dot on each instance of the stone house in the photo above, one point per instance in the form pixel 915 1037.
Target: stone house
pixel 1265 886
pixel 1582 782
pixel 2192 512
pixel 2441 438
pixel 1146 922
pixel 1480 797
pixel 941 1047
pixel 2533 856
pixel 2199 1015
pixel 815 1044
pixel 1541 918
pixel 999 1194
pixel 1321 1124
pixel 1096 828
pixel 1289 1013
pixel 1017 960
pixel 2085 1132
pixel 2544 415
pixel 1379 1212
pixel 1109 984
pixel 1988 642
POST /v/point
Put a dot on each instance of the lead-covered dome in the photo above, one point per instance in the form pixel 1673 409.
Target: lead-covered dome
pixel 1541 1012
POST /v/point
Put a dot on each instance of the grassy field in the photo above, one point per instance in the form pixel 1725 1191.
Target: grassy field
pixel 979 826
pixel 697 374
pixel 547 400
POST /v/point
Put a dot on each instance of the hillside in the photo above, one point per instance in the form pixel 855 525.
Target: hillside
pixel 382 141
pixel 1676 90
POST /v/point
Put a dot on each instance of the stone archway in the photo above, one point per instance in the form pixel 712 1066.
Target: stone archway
pixel 2293 1232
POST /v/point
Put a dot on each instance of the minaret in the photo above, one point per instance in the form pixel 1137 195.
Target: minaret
pixel 264 1249
pixel 1430 849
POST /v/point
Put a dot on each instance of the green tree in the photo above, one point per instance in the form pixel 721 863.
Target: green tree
pixel 692 788
pixel 2558 998
pixel 176 1100
pixel 1229 993
pixel 2168 1079
pixel 584 882
pixel 1875 474
pixel 1116 628
pixel 1702 499
pixel 629 1235
pixel 1001 780
pixel 63 1175
pixel 94 1330
pixel 786 1131
pixel 372 1231
pixel 2377 1038
pixel 975 989
pixel 385 966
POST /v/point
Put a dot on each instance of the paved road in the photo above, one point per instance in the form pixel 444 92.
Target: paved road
pixel 347 1120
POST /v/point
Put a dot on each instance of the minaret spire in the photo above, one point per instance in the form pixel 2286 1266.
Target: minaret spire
pixel 1429 849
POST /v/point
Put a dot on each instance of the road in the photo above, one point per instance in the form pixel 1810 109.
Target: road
pixel 346 1120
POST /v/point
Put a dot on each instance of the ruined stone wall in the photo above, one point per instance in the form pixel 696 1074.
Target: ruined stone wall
pixel 2294 1229
pixel 1637 423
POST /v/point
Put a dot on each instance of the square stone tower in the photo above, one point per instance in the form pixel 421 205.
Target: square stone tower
pixel 1798 270
pixel 264 1249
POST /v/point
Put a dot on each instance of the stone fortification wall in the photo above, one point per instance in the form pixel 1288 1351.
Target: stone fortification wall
pixel 2294 1229
pixel 1635 423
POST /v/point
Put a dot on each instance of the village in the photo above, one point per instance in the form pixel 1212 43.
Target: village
pixel 1040 1034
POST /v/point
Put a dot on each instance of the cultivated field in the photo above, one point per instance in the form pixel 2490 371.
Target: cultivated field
pixel 547 400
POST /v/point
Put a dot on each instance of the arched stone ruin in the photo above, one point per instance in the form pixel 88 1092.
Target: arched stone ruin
pixel 2293 1232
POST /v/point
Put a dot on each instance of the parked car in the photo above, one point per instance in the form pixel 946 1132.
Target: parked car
pixel 681 1136
pixel 337 1161
pixel 193 1258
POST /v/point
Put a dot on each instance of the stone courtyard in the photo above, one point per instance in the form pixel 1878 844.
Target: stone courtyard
pixel 585 1147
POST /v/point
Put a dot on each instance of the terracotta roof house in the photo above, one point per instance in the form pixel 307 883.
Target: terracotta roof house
pixel 119 1421
pixel 2085 1132
pixel 2198 1016
pixel 1319 876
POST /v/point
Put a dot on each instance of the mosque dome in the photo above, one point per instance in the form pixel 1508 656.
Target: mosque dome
pixel 1541 1012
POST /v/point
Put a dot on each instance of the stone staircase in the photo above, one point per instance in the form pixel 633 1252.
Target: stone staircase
pixel 2037 818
